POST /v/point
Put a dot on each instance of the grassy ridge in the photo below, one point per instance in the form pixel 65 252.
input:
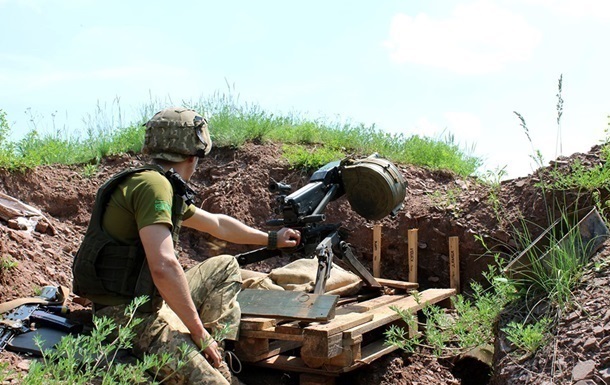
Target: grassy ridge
pixel 233 123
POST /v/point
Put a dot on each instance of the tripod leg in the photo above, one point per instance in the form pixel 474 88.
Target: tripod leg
pixel 356 267
pixel 325 261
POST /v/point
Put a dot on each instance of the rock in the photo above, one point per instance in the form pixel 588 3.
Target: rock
pixel 590 344
pixel 604 374
pixel 583 370
pixel 42 227
pixel 24 365
pixel 16 224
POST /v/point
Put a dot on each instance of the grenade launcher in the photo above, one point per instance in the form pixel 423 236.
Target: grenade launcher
pixel 303 210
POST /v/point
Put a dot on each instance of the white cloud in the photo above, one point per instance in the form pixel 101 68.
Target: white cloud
pixel 478 37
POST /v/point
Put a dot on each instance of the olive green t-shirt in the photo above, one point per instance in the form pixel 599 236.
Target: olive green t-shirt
pixel 142 199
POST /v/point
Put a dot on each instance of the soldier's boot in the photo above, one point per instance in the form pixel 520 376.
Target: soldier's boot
pixel 230 365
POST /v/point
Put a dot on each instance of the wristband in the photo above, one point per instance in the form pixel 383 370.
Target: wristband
pixel 272 240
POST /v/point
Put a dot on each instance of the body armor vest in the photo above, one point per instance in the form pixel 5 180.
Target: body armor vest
pixel 104 267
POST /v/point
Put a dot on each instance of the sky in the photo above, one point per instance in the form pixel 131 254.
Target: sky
pixel 430 68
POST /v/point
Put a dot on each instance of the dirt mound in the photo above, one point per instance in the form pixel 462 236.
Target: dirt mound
pixel 438 204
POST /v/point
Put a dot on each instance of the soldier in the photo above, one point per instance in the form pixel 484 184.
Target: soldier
pixel 129 251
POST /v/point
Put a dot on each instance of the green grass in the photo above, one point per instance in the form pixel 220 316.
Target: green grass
pixel 307 142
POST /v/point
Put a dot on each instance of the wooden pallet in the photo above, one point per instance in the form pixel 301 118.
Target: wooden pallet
pixel 353 338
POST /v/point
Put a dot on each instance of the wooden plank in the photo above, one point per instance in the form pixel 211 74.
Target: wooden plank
pixel 397 284
pixel 385 315
pixel 340 323
pixel 323 341
pixel 364 306
pixel 315 352
pixel 287 304
pixel 354 338
pixel 412 257
pixel 271 334
pixel 248 348
pixel 375 350
pixel 251 323
pixel 352 351
pixel 377 250
pixel 454 263
pixel 293 327
pixel 296 364
pixel 369 353
pixel 247 354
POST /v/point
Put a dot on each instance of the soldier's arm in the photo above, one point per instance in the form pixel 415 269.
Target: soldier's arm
pixel 230 229
pixel 170 280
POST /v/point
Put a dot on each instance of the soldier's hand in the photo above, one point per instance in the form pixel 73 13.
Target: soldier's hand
pixel 211 352
pixel 287 237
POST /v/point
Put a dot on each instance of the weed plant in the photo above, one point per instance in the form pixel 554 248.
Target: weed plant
pixel 5 372
pixel 528 337
pixel 471 324
pixel 447 200
pixel 88 359
pixel 7 263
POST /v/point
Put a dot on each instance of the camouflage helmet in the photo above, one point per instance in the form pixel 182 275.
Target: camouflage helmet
pixel 176 133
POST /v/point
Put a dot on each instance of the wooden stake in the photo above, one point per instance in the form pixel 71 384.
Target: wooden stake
pixel 377 251
pixel 412 258
pixel 454 263
pixel 412 262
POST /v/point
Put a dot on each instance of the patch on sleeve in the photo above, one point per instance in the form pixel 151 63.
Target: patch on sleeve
pixel 162 206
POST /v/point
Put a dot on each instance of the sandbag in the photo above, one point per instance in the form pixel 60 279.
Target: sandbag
pixel 300 275
pixel 374 186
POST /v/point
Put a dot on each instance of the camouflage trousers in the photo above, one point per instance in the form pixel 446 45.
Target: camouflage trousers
pixel 214 286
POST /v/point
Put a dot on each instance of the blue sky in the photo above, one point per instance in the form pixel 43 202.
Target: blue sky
pixel 415 67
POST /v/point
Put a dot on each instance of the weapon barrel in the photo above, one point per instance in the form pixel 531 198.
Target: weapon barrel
pixel 327 198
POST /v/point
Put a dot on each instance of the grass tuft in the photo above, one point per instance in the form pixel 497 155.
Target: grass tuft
pixel 232 124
